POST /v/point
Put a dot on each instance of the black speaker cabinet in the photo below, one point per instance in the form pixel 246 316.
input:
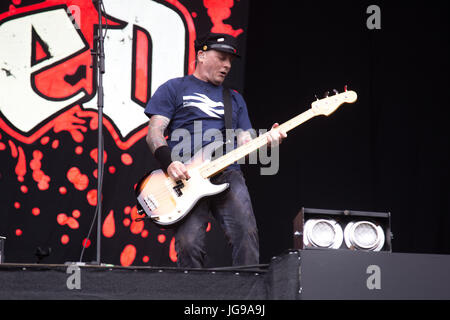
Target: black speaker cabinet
pixel 351 230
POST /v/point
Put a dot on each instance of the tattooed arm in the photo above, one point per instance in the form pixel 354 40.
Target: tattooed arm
pixel 155 135
pixel 158 145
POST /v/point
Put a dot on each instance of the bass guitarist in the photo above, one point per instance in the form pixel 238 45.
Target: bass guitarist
pixel 198 98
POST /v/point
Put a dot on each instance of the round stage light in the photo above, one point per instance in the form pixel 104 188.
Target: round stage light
pixel 322 233
pixel 364 235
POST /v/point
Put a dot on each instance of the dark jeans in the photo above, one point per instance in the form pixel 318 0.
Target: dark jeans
pixel 233 210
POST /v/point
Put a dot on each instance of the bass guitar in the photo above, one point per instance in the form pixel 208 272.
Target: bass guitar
pixel 166 201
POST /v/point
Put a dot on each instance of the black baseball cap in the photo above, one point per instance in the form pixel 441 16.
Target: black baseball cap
pixel 217 41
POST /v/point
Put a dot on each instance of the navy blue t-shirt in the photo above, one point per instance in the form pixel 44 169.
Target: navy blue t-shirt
pixel 195 108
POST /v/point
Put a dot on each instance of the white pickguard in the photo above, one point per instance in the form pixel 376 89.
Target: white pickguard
pixel 193 190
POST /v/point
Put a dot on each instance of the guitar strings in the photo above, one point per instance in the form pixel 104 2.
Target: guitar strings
pixel 166 193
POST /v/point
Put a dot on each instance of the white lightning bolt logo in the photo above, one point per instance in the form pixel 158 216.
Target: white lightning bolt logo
pixel 211 108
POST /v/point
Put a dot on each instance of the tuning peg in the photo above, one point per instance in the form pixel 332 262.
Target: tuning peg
pixel 326 94
pixel 335 91
pixel 316 97
pixel 345 88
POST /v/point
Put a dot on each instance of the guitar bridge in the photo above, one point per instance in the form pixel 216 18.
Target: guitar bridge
pixel 151 203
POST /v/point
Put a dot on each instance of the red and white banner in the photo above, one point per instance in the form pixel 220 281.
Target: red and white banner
pixel 48 118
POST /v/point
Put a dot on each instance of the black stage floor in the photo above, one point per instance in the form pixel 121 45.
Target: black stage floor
pixel 294 275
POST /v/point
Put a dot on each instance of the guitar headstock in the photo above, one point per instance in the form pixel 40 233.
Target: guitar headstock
pixel 328 105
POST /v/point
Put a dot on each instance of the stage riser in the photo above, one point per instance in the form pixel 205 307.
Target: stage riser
pixel 119 283
pixel 353 275
pixel 295 275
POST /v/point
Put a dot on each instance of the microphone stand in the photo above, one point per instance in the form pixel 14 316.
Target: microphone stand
pixel 99 62
pixel 100 55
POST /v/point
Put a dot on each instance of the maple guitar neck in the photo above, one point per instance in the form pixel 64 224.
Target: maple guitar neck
pixel 209 169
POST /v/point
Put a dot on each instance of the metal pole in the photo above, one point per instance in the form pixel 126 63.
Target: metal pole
pixel 100 100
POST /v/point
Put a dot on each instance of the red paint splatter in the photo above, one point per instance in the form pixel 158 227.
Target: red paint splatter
pixel 112 169
pixel 38 175
pixel 144 234
pixel 79 150
pixel 86 243
pixel 17 205
pixel 73 173
pixel 69 122
pixel 19 232
pixel 55 144
pixel 161 238
pixel 76 213
pixel 136 226
pixel 145 259
pixel 72 223
pixel 172 252
pixel 94 155
pixel 127 159
pixel 194 14
pixel 92 197
pixel 126 222
pixel 65 239
pixel 218 11
pixel 80 181
pixel 43 185
pixel 123 145
pixel 38 155
pixel 45 140
pixel 93 124
pixel 208 227
pixel 2 146
pixel 13 149
pixel 128 255
pixel 63 219
pixel 21 167
pixel 35 211
pixel 127 210
pixel 62 190
pixel 24 189
pixel 109 227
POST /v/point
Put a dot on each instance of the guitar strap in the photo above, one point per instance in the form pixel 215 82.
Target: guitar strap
pixel 227 108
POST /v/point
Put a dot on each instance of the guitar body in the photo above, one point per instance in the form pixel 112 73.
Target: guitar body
pixel 167 201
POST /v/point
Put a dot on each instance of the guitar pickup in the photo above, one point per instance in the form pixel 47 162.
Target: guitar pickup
pixel 151 203
pixel 177 188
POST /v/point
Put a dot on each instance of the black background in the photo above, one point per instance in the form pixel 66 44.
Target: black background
pixel 387 152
